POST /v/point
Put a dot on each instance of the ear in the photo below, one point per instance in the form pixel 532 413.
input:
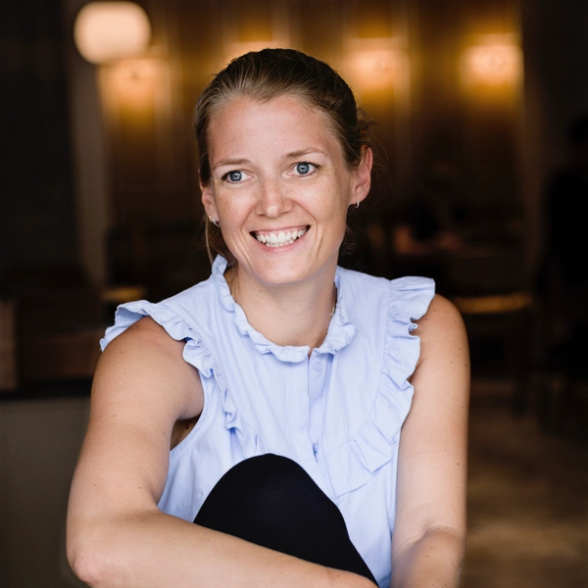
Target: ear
pixel 362 177
pixel 208 200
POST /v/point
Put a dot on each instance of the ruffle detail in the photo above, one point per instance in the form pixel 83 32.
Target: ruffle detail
pixel 195 353
pixel 341 330
pixel 246 433
pixel 354 463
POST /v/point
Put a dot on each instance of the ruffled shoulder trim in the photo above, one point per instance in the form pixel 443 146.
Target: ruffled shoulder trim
pixel 195 352
pixel 354 463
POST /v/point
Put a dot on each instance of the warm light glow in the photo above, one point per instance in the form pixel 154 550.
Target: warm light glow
pixel 494 304
pixel 377 69
pixel 491 64
pixel 107 31
pixel 133 82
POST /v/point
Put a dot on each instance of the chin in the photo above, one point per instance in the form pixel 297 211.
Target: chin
pixel 283 272
pixel 283 276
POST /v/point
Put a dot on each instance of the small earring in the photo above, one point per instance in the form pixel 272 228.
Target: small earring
pixel 215 222
pixel 357 203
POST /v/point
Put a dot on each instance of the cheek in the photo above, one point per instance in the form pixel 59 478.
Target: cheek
pixel 330 196
pixel 337 204
pixel 233 213
pixel 228 204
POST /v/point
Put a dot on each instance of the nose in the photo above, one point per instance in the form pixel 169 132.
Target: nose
pixel 273 199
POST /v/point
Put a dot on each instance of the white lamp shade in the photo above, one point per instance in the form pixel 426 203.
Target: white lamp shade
pixel 106 31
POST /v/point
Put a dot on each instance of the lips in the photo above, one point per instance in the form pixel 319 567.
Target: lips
pixel 279 238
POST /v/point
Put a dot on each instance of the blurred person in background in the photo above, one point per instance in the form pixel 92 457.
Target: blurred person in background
pixel 286 422
pixel 431 228
pixel 563 280
pixel 432 222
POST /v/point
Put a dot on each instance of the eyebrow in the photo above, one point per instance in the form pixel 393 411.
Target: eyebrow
pixel 224 162
pixel 301 152
pixel 291 155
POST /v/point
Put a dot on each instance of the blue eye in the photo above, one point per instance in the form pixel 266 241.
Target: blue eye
pixel 303 168
pixel 235 176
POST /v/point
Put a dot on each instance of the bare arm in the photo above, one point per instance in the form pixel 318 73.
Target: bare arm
pixel 430 529
pixel 117 537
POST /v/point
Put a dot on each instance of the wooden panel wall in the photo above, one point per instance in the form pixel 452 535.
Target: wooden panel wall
pixel 401 56
pixel 154 166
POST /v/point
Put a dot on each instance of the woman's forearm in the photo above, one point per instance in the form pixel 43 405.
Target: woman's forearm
pixel 434 561
pixel 151 550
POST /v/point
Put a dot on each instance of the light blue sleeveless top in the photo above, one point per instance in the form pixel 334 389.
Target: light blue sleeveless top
pixel 337 411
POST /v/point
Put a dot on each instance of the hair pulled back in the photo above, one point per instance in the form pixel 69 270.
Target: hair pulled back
pixel 267 74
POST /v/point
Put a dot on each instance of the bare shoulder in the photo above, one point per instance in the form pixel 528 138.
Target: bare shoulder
pixel 442 375
pixel 144 360
pixel 144 332
pixel 442 316
pixel 141 389
pixel 442 331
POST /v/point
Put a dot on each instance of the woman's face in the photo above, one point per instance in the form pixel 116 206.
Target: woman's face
pixel 280 188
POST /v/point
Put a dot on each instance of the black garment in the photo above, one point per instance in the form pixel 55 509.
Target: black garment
pixel 271 501
pixel 566 212
pixel 562 281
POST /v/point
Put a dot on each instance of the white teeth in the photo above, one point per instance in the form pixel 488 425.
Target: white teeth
pixel 281 239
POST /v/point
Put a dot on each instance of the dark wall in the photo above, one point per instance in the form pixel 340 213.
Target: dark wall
pixel 37 220
pixel 555 44
pixel 555 34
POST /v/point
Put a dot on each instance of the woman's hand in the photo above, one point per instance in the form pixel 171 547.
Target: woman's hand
pixel 430 528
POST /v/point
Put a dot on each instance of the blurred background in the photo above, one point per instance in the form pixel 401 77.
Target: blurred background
pixel 479 126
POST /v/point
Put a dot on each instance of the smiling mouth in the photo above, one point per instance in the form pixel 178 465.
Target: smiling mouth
pixel 280 238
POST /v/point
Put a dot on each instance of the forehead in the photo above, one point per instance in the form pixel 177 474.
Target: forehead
pixel 287 117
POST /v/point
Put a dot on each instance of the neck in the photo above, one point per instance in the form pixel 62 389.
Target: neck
pixel 290 314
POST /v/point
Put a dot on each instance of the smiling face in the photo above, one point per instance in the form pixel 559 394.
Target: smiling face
pixel 280 188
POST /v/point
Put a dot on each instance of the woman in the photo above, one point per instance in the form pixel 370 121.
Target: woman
pixel 282 382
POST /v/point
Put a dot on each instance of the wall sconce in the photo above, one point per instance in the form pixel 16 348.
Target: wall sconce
pixel 492 63
pixel 135 86
pixel 107 31
pixel 377 69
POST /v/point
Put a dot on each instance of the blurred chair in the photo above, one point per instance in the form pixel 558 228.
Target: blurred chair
pixel 562 369
pixel 58 323
pixel 8 374
pixel 498 311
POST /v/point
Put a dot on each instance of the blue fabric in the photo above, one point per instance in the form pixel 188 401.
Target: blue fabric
pixel 336 410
